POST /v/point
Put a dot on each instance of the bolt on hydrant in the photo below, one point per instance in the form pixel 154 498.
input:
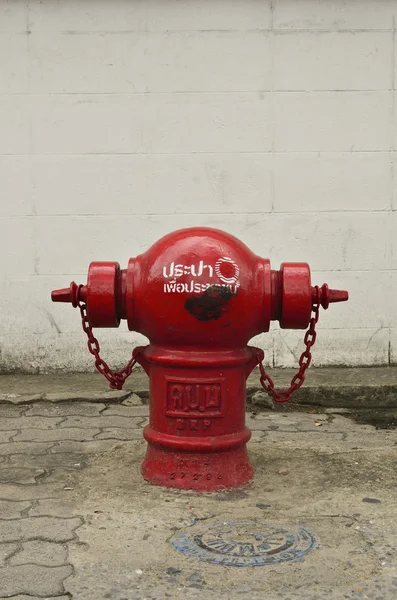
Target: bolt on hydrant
pixel 199 295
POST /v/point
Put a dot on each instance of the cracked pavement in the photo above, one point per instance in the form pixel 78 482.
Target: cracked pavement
pixel 77 521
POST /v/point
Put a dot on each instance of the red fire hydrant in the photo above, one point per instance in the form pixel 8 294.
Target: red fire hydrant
pixel 199 295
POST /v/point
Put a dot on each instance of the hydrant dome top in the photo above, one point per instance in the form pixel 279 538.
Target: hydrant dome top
pixel 204 237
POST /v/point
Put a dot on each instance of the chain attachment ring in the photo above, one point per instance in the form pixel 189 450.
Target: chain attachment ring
pixel 304 361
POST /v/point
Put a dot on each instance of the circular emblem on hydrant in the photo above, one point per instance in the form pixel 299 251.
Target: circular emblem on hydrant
pixel 245 544
pixel 227 270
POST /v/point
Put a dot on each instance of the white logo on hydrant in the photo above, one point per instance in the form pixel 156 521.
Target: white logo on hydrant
pixel 225 273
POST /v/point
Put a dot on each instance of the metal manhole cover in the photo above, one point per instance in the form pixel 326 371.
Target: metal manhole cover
pixel 245 544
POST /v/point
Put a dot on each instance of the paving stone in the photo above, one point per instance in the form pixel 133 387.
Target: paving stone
pixel 10 411
pixel 260 398
pixel 46 554
pixel 102 421
pixel 5 436
pixel 302 436
pixel 48 461
pixel 141 388
pixel 108 396
pixel 341 423
pixel 261 425
pixel 91 447
pixel 28 422
pixel 33 580
pixel 133 400
pixel 9 491
pixel 10 509
pixel 55 435
pixel 295 423
pixel 51 529
pixel 7 550
pixel 133 411
pixel 20 475
pixel 55 507
pixel 113 433
pixel 25 447
pixel 20 398
pixel 286 422
pixel 66 477
pixel 83 409
pixel 126 411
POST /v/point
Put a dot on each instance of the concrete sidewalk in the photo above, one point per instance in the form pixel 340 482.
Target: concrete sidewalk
pixel 371 387
pixel 77 521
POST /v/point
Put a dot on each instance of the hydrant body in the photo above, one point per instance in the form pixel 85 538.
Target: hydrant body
pixel 199 295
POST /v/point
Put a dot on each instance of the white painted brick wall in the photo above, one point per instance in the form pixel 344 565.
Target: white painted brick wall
pixel 123 120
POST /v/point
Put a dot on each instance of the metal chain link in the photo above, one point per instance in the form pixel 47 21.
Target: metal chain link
pixel 116 378
pixel 304 361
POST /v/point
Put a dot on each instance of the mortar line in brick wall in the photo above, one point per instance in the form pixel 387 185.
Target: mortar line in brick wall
pixel 393 114
pixel 27 8
pixel 269 213
pixel 197 152
pixel 393 75
pixel 316 31
pixel 230 31
pixel 210 214
pixel 272 118
pixel 30 138
pixel 174 93
pixel 393 78
pixel 274 213
pixel 315 212
pixel 328 31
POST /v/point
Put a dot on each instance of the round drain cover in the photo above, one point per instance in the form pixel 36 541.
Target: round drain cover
pixel 245 544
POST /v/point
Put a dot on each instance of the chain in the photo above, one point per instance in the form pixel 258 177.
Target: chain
pixel 304 362
pixel 116 378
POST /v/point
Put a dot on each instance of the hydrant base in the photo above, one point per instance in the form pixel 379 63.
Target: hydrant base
pixel 199 471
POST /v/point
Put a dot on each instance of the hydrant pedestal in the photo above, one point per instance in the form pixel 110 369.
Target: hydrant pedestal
pixel 198 439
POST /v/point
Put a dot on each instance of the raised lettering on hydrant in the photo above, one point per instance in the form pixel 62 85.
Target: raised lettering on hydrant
pixel 199 295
